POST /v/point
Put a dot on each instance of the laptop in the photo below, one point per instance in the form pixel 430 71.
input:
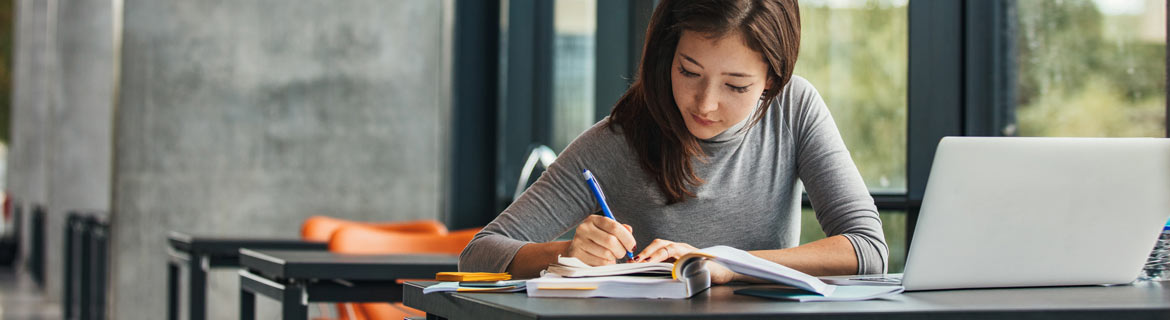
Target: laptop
pixel 1023 212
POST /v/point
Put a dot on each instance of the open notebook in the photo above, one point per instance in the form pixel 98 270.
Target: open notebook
pixel 570 267
pixel 687 277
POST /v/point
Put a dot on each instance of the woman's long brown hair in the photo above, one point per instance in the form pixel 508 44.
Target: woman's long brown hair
pixel 647 114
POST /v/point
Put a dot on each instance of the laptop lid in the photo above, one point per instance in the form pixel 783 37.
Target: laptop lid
pixel 1011 212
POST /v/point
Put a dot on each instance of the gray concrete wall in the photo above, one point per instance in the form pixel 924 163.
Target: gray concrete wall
pixel 245 117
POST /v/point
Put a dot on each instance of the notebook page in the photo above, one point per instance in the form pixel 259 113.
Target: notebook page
pixel 573 267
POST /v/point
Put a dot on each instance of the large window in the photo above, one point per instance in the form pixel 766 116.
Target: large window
pixel 1090 68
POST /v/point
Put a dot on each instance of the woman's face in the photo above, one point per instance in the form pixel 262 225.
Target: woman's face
pixel 717 82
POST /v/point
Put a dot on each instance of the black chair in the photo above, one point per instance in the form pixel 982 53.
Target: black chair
pixel 72 273
pixel 99 230
pixel 36 257
pixel 86 263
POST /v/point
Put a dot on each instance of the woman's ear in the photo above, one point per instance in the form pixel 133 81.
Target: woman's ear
pixel 767 86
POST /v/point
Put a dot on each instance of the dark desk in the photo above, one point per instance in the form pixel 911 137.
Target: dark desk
pixel 296 278
pixel 1141 301
pixel 200 254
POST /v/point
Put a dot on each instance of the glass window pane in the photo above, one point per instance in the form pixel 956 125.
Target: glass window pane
pixel 855 53
pixel 575 27
pixel 1091 68
pixel 893 224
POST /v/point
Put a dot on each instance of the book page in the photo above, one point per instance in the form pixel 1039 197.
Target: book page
pixel 745 263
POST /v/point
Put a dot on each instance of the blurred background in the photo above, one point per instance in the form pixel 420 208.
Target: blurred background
pixel 246 117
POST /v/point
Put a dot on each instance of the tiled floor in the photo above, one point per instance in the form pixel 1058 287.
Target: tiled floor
pixel 21 299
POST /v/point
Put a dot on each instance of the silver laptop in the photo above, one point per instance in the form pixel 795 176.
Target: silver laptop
pixel 1017 212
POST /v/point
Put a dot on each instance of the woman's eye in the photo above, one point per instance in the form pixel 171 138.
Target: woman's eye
pixel 686 73
pixel 742 89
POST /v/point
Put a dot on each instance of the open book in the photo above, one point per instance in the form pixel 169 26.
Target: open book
pixel 688 276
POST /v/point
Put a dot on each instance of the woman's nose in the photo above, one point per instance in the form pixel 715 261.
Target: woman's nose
pixel 707 102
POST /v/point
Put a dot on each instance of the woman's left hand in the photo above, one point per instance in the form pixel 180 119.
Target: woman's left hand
pixel 663 250
pixel 669 251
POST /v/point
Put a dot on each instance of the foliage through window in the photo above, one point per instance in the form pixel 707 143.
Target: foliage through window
pixel 855 54
pixel 1091 68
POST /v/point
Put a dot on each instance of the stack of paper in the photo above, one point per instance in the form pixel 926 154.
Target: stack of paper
pixel 663 287
pixel 488 286
pixel 574 279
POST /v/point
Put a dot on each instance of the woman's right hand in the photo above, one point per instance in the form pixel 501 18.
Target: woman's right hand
pixel 600 241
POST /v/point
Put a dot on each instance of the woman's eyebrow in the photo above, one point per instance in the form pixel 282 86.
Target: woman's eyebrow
pixel 688 58
pixel 733 74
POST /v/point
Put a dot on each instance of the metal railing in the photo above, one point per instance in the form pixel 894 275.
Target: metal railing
pixel 540 154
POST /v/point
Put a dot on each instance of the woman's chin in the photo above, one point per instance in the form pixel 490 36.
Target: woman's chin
pixel 704 134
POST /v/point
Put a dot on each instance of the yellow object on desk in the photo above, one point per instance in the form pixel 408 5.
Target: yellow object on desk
pixel 472 276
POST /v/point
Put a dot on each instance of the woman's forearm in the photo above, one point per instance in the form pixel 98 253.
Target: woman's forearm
pixel 534 257
pixel 829 256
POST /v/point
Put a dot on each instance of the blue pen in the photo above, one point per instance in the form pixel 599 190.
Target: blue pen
pixel 596 187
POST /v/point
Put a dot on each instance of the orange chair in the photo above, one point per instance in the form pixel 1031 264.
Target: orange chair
pixel 320 228
pixel 358 239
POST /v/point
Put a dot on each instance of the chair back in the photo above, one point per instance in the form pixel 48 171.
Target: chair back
pixel 360 239
pixel 320 228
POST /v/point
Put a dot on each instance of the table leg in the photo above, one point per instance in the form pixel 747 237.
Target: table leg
pixel 294 303
pixel 247 305
pixel 197 268
pixel 172 290
pixel 67 296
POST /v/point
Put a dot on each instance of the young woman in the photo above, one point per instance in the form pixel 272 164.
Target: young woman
pixel 704 149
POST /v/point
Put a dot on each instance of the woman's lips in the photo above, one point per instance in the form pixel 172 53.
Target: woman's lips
pixel 701 121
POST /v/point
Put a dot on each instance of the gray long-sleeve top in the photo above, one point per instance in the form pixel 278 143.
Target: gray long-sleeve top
pixel 750 198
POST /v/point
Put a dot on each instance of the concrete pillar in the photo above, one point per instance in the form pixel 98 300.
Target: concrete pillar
pixel 80 140
pixel 62 115
pixel 32 68
pixel 245 117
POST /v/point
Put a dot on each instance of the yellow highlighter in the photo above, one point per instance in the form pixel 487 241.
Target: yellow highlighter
pixel 472 276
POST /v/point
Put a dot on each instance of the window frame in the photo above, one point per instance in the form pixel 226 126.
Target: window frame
pixel 471 173
pixel 622 23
